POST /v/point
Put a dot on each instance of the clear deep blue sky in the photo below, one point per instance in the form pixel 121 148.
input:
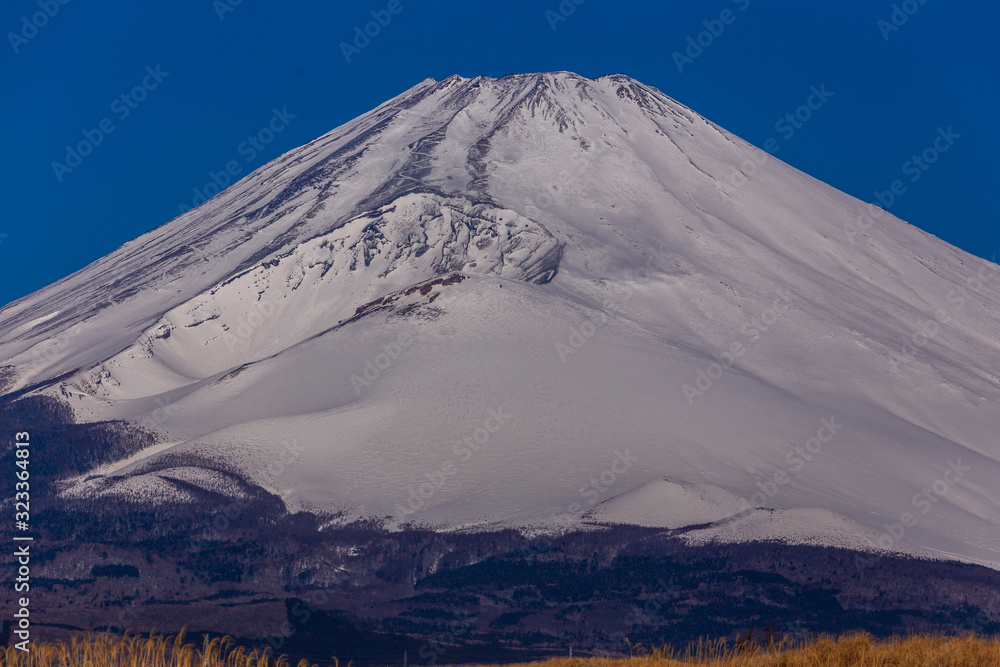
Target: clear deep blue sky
pixel 224 77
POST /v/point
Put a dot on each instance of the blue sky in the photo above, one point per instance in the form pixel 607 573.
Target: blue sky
pixel 211 73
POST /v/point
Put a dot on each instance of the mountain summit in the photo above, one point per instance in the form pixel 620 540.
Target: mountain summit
pixel 539 301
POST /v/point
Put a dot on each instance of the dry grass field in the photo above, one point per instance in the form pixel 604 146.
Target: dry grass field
pixel 857 649
pixel 140 651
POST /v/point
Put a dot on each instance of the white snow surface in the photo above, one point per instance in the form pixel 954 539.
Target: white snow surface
pixel 633 320
pixel 664 503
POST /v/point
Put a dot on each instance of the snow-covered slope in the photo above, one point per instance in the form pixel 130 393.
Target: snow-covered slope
pixel 664 503
pixel 507 301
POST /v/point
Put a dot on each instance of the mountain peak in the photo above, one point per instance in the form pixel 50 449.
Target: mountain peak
pixel 559 82
pixel 581 271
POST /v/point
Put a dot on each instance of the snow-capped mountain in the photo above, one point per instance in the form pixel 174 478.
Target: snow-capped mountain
pixel 542 301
